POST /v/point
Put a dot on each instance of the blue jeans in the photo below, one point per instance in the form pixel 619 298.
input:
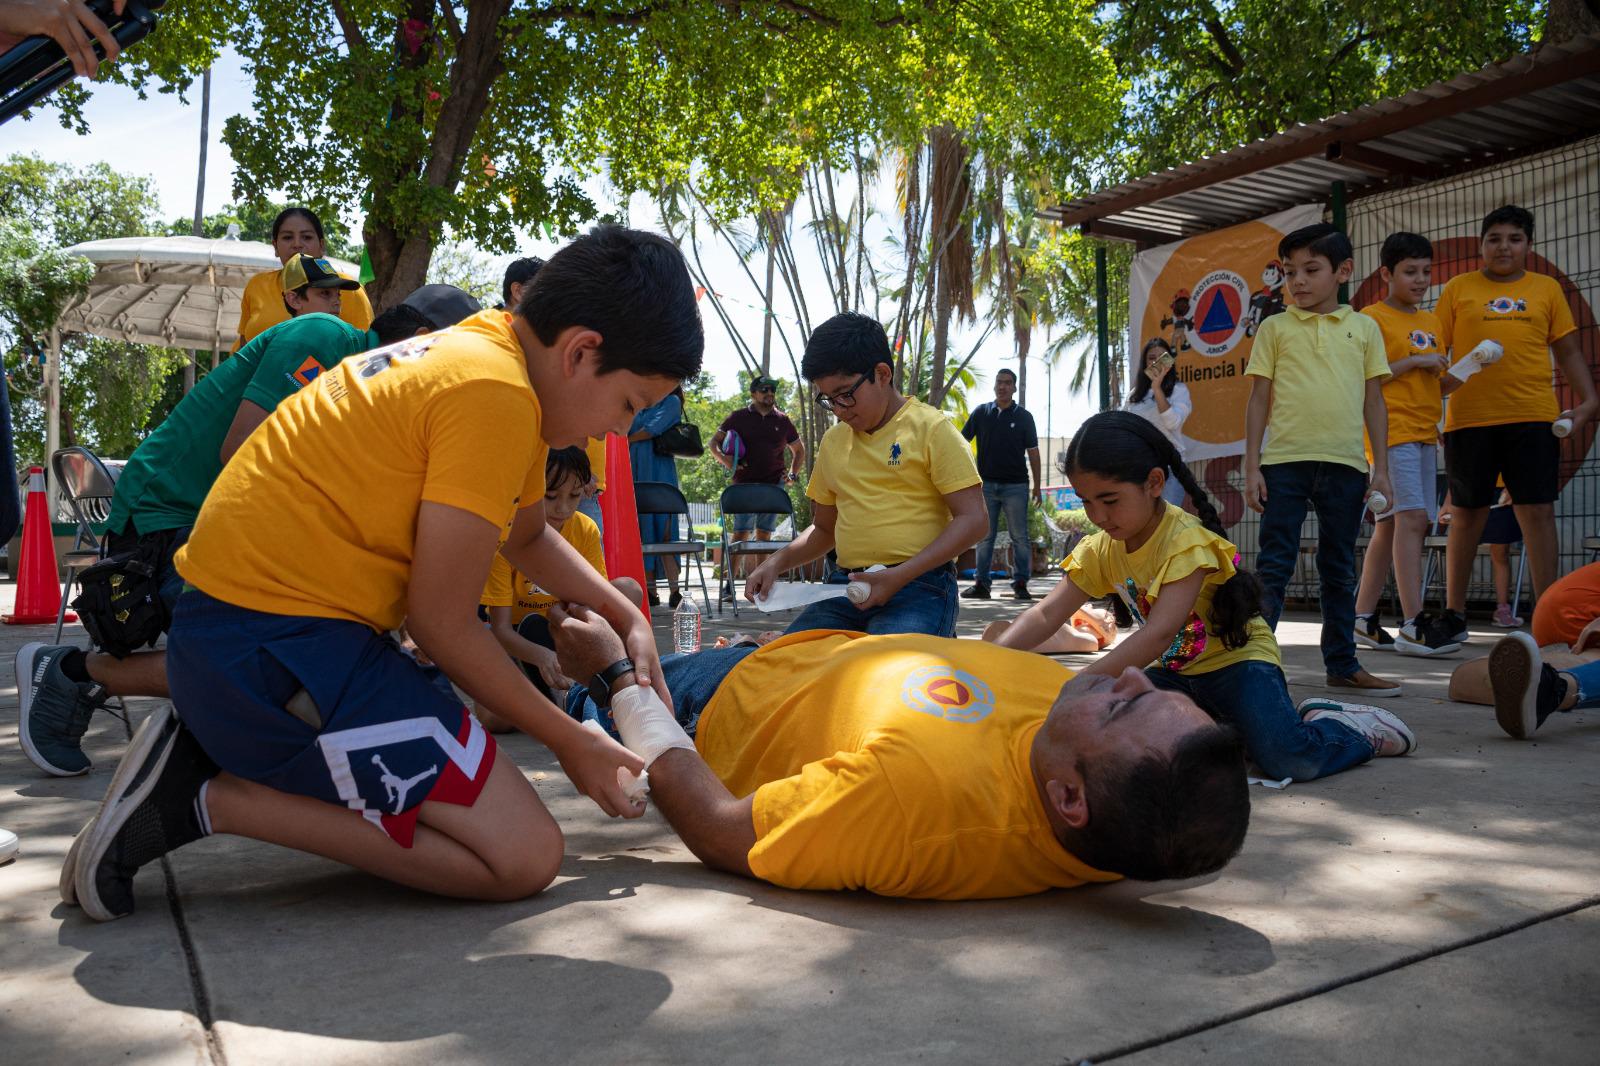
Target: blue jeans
pixel 1337 493
pixel 692 679
pixel 1012 498
pixel 1587 675
pixel 590 505
pixel 927 605
pixel 1252 698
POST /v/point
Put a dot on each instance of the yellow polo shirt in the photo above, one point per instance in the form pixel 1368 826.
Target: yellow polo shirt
pixel 596 451
pixel 1101 566
pixel 261 307
pixel 509 587
pixel 1319 366
pixel 1413 399
pixel 896 764
pixel 889 485
pixel 1526 317
pixel 317 513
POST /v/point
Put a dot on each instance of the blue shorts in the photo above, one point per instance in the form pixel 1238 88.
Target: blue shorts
pixel 389 736
pixel 744 523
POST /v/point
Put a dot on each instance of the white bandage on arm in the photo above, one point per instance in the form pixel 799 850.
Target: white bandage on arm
pixel 646 725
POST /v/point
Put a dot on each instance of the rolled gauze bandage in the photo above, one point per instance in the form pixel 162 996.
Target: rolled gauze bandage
pixel 646 725
pixel 1378 503
pixel 857 591
pixel 1485 353
pixel 1561 427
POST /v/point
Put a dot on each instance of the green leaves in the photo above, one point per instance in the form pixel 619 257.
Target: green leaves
pixel 37 281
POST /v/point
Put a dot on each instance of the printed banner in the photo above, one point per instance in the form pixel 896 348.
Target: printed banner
pixel 1208 295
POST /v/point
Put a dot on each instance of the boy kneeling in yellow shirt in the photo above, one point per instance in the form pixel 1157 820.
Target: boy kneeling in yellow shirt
pixel 381 492
pixel 518 607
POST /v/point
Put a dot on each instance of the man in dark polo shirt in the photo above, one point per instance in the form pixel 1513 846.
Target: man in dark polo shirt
pixel 1005 433
pixel 761 436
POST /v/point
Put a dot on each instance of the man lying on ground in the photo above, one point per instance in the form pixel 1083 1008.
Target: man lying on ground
pixel 911 765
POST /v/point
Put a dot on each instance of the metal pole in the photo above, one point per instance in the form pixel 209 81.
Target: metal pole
pixel 52 412
pixel 199 206
pixel 1049 411
pixel 1337 204
pixel 1102 326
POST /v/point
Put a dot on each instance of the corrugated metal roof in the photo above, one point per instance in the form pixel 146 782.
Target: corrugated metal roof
pixel 1527 103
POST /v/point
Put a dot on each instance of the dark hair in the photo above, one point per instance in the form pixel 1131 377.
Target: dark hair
pixel 1509 215
pixel 1321 239
pixel 300 292
pixel 522 270
pixel 399 322
pixel 1402 245
pixel 1124 447
pixel 848 343
pixel 1141 381
pixel 563 463
pixel 1163 817
pixel 633 289
pixel 304 212
pixel 1006 370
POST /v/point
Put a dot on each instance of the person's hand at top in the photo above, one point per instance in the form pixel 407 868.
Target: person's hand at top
pixel 759 581
pixel 70 23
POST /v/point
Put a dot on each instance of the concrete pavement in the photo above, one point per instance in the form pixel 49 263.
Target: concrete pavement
pixel 1441 907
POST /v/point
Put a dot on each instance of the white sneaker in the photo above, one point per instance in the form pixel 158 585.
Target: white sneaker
pixel 1387 734
pixel 8 846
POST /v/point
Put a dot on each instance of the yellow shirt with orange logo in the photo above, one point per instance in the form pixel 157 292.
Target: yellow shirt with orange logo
pixel 510 587
pixel 261 307
pixel 317 513
pixel 1525 317
pixel 896 764
pixel 1413 399
pixel 1101 566
pixel 890 485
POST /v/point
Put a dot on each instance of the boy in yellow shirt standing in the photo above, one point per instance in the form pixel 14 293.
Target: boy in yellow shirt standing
pixel 1413 397
pixel 893 485
pixel 1318 370
pixel 381 492
pixel 1500 421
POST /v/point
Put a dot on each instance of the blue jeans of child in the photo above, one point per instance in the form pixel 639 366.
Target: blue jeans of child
pixel 1587 675
pixel 927 605
pixel 692 679
pixel 1252 698
pixel 1337 493
pixel 1012 499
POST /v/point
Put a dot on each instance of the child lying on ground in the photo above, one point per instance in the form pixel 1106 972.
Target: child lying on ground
pixel 1200 616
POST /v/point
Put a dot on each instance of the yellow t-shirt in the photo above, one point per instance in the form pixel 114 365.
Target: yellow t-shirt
pixel 1526 317
pixel 1180 546
pixel 898 764
pixel 317 513
pixel 261 307
pixel 509 587
pixel 1413 399
pixel 889 486
pixel 596 450
pixel 1319 366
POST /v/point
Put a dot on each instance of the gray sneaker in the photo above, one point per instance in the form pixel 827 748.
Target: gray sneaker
pixel 55 710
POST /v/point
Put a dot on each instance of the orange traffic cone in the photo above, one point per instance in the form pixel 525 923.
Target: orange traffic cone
pixel 624 553
pixel 38 587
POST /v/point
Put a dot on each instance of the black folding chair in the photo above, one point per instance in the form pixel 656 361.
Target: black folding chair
pixel 749 499
pixel 86 485
pixel 658 497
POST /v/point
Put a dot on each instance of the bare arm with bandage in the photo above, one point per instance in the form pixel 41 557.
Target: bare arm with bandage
pixel 716 826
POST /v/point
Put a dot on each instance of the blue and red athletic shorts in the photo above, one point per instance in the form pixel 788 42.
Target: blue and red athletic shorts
pixel 390 737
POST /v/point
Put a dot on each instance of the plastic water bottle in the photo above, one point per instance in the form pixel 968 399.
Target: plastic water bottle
pixel 686 627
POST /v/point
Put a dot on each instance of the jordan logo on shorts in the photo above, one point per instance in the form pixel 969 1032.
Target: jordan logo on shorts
pixel 395 787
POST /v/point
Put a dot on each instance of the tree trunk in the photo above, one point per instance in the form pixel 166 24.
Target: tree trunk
pixel 1566 19
pixel 766 322
pixel 401 249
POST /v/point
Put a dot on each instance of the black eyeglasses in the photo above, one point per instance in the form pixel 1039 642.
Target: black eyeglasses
pixel 764 388
pixel 845 399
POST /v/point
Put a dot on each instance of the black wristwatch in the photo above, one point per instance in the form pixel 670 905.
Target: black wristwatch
pixel 600 684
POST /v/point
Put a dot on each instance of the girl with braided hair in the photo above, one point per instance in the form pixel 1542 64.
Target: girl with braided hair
pixel 1200 626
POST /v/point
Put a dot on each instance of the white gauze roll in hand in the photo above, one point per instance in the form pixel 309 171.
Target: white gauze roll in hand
pixel 1485 353
pixel 635 786
pixel 646 725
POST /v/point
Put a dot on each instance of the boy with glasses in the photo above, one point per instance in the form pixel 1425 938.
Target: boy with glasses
pixel 894 485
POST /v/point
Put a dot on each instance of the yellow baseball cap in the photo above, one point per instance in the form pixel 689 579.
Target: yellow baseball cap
pixel 302 270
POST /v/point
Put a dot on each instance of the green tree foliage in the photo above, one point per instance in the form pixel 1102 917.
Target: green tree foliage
pixel 481 116
pixel 1208 75
pixel 108 389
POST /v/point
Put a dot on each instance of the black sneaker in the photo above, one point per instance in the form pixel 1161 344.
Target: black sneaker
pixel 1371 633
pixel 152 807
pixel 1454 626
pixel 1425 636
pixel 976 592
pixel 1021 593
pixel 54 710
pixel 1526 689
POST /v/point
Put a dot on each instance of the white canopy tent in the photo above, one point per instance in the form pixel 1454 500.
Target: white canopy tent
pixel 181 292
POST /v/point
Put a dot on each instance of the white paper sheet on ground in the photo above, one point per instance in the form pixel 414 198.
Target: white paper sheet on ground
pixel 1267 782
pixel 787 595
